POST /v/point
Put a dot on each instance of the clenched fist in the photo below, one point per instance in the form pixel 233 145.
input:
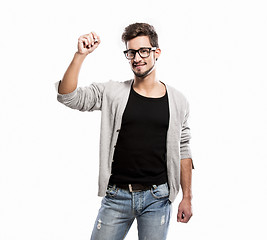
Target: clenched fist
pixel 88 43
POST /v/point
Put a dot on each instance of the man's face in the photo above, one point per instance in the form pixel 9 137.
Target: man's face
pixel 142 66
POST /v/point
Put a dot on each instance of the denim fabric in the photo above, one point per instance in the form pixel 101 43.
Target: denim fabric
pixel 119 208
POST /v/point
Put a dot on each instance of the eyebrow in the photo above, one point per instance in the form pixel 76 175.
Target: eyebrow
pixel 138 48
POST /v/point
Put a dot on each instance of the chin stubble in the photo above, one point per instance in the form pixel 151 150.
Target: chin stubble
pixel 142 75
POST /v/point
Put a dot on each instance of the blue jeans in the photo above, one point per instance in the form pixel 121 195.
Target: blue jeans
pixel 119 208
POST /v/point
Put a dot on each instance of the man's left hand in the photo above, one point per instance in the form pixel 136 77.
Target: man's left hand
pixel 184 211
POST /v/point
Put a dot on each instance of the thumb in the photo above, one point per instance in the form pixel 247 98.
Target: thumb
pixel 180 215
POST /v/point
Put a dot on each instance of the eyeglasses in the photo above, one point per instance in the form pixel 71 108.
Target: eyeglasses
pixel 143 52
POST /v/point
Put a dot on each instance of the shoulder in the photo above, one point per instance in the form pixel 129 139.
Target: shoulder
pixel 176 95
pixel 126 83
pixel 112 85
pixel 117 86
pixel 112 90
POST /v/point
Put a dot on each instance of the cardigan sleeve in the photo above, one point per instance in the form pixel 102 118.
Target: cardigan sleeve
pixel 87 98
pixel 185 150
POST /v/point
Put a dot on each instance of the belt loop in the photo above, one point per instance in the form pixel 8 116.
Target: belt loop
pixel 154 186
pixel 130 188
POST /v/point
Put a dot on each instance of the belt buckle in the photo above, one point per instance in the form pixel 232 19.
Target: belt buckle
pixel 131 188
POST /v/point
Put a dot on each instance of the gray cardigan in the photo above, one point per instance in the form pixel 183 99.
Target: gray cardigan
pixel 111 98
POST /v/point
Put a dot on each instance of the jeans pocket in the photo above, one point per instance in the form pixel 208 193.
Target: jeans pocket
pixel 112 191
pixel 160 191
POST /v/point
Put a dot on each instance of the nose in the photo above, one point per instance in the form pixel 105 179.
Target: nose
pixel 137 57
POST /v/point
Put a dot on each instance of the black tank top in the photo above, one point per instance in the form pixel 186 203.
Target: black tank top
pixel 140 152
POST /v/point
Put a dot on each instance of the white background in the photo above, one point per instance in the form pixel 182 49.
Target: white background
pixel 215 52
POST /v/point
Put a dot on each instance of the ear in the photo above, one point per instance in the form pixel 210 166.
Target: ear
pixel 157 53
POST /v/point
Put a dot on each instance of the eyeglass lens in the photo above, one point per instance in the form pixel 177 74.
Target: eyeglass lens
pixel 143 52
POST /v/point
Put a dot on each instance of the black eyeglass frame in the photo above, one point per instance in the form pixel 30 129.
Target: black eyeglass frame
pixel 135 51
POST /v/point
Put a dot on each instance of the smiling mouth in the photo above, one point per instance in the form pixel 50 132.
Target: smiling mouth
pixel 139 65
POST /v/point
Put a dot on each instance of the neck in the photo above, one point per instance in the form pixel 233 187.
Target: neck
pixel 147 82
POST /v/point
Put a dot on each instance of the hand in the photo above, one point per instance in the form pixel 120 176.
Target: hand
pixel 184 211
pixel 88 43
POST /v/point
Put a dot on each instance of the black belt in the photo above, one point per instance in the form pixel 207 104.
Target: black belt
pixel 134 187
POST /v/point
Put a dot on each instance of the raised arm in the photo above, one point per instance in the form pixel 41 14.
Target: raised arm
pixel 86 44
pixel 87 98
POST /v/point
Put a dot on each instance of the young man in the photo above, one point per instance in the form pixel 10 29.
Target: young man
pixel 144 140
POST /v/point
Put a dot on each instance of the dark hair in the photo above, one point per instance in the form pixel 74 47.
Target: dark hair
pixel 140 29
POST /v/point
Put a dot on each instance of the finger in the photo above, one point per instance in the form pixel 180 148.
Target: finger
pixel 179 216
pixel 82 42
pixel 91 40
pixel 81 39
pixel 95 43
pixel 96 37
pixel 85 42
pixel 186 217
